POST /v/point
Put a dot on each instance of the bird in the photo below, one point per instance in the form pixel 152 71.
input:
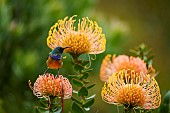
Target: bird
pixel 54 60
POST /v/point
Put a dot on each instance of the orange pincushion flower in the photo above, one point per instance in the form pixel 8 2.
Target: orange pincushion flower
pixel 110 66
pixel 122 89
pixel 48 85
pixel 86 38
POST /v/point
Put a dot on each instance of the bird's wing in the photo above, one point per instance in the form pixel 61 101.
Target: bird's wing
pixel 49 55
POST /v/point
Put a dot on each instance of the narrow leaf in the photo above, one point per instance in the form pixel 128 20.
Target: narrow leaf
pixel 57 110
pixel 167 98
pixel 83 91
pixel 78 67
pixel 36 110
pixel 41 110
pixel 86 82
pixel 164 108
pixel 88 87
pixel 89 103
pixel 85 75
pixel 76 108
pixel 73 76
pixel 43 104
pixel 77 82
pixel 74 99
pixel 92 96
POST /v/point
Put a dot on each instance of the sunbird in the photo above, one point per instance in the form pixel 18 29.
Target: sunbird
pixel 54 60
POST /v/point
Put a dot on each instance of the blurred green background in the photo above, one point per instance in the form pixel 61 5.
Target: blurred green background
pixel 24 26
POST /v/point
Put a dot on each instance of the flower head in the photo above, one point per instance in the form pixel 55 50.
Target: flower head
pixel 110 66
pixel 123 88
pixel 48 85
pixel 86 38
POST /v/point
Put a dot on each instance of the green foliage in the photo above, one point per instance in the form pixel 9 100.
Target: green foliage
pixel 85 75
pixel 77 82
pixel 51 104
pixel 76 108
pixel 165 106
pixel 80 66
pixel 90 86
pixel 89 103
pixel 144 53
pixel 77 101
pixel 90 97
pixel 83 91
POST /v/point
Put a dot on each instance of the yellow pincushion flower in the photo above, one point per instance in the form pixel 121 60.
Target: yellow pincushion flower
pixel 111 64
pixel 124 88
pixel 87 37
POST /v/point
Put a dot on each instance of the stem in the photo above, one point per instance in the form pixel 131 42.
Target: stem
pixel 49 104
pixel 79 62
pixel 129 110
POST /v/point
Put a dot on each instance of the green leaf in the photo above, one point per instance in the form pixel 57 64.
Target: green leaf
pixel 43 104
pixel 36 110
pixel 74 99
pixel 134 51
pixel 165 105
pixel 56 107
pixel 86 82
pixel 83 91
pixel 85 62
pixel 88 87
pixel 144 58
pixel 90 97
pixel 41 110
pixel 164 108
pixel 167 98
pixel 89 103
pixel 78 67
pixel 77 82
pixel 85 75
pixel 57 110
pixel 76 108
pixel 43 99
pixel 142 47
pixel 73 76
pixel 149 60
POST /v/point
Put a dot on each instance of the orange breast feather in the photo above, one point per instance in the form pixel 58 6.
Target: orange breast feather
pixel 54 64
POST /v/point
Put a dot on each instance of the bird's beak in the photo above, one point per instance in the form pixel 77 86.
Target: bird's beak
pixel 67 47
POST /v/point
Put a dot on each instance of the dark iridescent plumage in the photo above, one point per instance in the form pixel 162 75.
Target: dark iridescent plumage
pixel 56 57
pixel 54 60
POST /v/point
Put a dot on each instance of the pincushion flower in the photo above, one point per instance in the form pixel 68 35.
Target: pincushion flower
pixel 87 37
pixel 48 85
pixel 122 88
pixel 111 64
